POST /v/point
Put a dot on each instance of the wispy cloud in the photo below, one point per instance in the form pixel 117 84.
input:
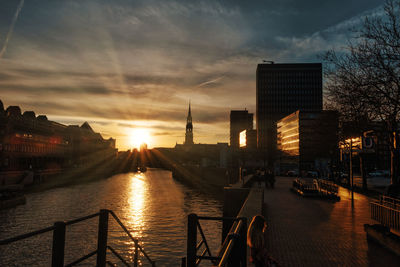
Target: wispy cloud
pixel 10 31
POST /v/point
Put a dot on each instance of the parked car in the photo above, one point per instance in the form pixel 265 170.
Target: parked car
pixel 379 173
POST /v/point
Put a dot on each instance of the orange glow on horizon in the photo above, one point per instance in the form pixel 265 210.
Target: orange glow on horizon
pixel 139 136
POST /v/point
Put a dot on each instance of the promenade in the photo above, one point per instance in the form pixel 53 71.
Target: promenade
pixel 314 232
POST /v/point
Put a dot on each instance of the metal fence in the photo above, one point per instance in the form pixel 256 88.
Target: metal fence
pixel 386 211
pixel 233 251
pixel 59 229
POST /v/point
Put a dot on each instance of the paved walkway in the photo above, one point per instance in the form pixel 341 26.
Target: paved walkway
pixel 314 232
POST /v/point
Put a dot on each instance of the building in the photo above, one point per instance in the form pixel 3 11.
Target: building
pixel 376 157
pixel 189 129
pixel 281 90
pixel 239 120
pixel 33 142
pixel 308 141
pixel 248 139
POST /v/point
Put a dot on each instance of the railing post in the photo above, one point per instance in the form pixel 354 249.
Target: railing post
pixel 136 256
pixel 57 257
pixel 102 239
pixel 191 240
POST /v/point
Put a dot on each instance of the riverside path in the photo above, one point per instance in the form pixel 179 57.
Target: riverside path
pixel 314 232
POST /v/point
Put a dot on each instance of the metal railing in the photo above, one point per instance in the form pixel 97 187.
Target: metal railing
pixel 386 211
pixel 233 249
pixel 58 248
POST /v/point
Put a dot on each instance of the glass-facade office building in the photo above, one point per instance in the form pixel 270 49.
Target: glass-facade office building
pixel 307 140
pixel 281 90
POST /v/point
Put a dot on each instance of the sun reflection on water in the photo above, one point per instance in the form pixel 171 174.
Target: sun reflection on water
pixel 135 217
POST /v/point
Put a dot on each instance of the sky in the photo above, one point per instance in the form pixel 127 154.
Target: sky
pixel 124 65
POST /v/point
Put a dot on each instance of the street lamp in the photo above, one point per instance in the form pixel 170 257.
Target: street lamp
pixel 349 144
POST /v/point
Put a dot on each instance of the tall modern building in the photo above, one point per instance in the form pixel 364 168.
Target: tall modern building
pixel 189 129
pixel 281 90
pixel 239 120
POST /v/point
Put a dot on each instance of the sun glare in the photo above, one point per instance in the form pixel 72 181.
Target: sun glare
pixel 138 137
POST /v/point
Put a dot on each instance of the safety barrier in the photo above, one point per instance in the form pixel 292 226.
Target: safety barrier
pixel 386 211
pixel 233 249
pixel 58 248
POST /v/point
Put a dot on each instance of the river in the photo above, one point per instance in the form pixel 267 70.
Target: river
pixel 152 205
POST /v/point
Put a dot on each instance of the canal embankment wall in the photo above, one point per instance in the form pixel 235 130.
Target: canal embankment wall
pixel 208 179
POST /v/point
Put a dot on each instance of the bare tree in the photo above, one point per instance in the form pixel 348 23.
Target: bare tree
pixel 364 80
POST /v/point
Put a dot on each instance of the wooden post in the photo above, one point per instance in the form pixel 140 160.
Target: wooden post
pixel 191 240
pixel 102 239
pixel 57 257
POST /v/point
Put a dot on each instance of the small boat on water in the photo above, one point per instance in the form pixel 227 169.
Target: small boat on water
pixel 11 196
pixel 142 169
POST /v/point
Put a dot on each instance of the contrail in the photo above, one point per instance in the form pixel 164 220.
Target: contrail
pixel 10 31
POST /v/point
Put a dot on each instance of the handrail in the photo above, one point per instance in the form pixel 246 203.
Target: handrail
pixel 23 236
pixel 58 251
pixel 132 238
pixel 82 219
pixel 224 254
pixel 386 215
pixel 231 244
pixel 122 226
pixel 118 256
pixel 87 256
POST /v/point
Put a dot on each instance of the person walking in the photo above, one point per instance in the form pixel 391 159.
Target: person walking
pixel 256 241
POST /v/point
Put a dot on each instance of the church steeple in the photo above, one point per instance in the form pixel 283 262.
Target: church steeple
pixel 189 128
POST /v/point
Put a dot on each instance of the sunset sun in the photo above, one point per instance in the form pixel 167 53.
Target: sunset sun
pixel 138 137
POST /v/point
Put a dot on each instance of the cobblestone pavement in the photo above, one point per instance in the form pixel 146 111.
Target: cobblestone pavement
pixel 314 232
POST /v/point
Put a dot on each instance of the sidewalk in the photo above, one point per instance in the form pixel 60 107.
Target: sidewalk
pixel 314 232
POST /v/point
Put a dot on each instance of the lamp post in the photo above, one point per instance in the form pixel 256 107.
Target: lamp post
pixel 351 168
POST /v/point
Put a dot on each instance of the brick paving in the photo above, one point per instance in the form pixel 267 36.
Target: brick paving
pixel 314 232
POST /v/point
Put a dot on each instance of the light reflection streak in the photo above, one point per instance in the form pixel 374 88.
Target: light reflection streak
pixel 135 217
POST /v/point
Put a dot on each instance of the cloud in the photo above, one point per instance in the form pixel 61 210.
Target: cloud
pixel 334 37
pixel 141 61
pixel 10 31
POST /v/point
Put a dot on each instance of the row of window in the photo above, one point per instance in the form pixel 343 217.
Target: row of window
pixel 39 148
pixel 41 138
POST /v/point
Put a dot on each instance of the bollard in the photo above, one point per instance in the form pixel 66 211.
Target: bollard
pixel 191 240
pixel 102 239
pixel 57 257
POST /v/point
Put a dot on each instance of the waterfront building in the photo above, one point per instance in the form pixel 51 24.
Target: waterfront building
pixel 307 141
pixel 282 89
pixel 34 143
pixel 239 120
pixel 189 129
